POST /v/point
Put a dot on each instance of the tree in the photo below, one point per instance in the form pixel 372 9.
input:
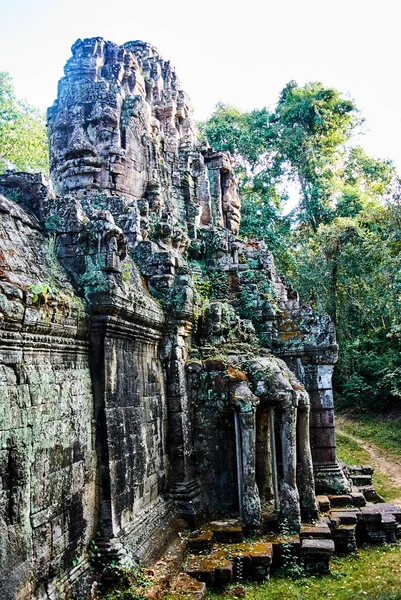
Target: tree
pixel 341 247
pixel 23 139
pixel 311 126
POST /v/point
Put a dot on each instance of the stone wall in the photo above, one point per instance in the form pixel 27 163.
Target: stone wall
pixel 47 456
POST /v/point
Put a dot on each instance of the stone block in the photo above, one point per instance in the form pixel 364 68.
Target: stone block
pixel 341 500
pixel 370 493
pixel 358 499
pixel 323 503
pixel 345 517
pixel 316 554
pixel 200 542
pixel 361 480
pixel 211 571
pixel 344 538
pixel 319 531
pixel 226 531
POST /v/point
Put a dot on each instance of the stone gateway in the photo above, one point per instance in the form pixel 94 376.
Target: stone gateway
pixel 153 364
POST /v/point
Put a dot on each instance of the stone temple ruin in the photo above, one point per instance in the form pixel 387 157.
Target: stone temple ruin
pixel 154 366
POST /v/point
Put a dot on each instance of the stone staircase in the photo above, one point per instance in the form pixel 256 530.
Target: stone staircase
pixel 218 554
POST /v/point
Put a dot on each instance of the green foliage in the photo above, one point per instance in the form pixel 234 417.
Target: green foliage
pixel 201 296
pixel 341 247
pixel 126 276
pixel 133 581
pixel 350 269
pixel 40 292
pixel 219 286
pixel 23 139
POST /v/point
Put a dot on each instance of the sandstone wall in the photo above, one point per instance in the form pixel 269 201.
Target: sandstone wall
pixel 47 456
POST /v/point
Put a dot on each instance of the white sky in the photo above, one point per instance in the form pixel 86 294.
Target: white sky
pixel 242 53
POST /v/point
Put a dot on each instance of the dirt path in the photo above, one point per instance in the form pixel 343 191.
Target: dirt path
pixel 379 459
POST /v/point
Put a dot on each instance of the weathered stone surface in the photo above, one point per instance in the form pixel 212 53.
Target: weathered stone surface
pixel 323 503
pixel 316 554
pixel 142 342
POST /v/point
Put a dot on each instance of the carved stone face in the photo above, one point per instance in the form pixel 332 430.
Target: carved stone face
pixel 91 148
pixel 97 127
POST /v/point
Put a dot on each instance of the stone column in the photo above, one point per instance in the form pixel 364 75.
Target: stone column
pixel 245 405
pixel 289 498
pixel 288 434
pixel 329 477
pixel 305 479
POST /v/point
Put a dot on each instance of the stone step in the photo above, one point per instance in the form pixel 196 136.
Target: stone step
pixel 200 542
pixel 344 538
pixel 361 480
pixel 186 587
pixel 226 532
pixel 358 498
pixel 246 560
pixel 252 560
pixel 319 531
pixel 282 546
pixel 369 513
pixel 345 517
pixel 370 493
pixel 323 503
pixel 211 571
pixel 360 470
pixel 340 500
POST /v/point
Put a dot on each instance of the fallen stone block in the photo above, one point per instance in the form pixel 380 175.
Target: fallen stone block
pixel 319 531
pixel 211 571
pixel 344 538
pixel 358 499
pixel 361 480
pixel 345 517
pixel 370 493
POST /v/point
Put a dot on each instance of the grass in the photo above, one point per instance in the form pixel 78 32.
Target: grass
pixel 351 453
pixel 373 573
pixel 382 431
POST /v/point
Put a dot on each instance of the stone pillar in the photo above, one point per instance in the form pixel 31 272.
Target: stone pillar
pixel 329 477
pixel 289 498
pixel 305 479
pixel 245 404
pixel 216 194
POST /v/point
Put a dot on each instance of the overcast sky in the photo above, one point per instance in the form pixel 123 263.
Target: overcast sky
pixel 242 53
